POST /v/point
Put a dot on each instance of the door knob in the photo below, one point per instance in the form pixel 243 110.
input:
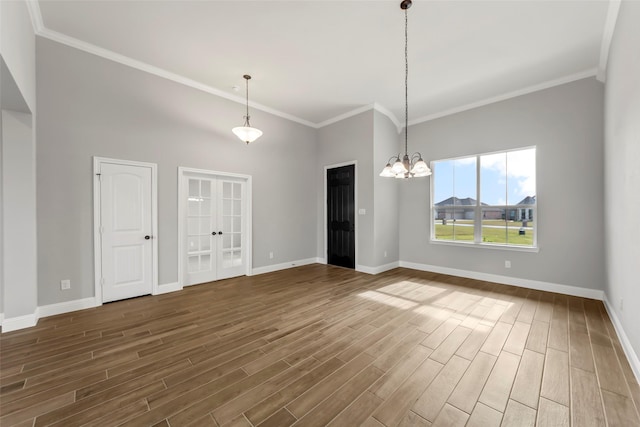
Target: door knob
pixel 219 232
pixel 147 237
pixel 213 233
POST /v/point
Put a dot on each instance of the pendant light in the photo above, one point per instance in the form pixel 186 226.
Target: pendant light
pixel 246 133
pixel 414 166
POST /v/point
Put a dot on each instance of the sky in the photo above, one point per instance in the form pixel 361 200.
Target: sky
pixel 505 178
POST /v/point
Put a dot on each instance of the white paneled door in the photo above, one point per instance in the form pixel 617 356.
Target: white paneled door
pixel 215 227
pixel 126 231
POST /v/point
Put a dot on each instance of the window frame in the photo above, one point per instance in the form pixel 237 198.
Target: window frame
pixel 477 235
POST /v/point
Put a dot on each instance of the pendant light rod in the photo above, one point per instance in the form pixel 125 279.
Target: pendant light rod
pixel 247 77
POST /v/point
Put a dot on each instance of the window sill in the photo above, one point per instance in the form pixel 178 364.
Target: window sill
pixel 534 249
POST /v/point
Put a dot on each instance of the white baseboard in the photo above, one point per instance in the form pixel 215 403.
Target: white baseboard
pixel 632 357
pixel 508 280
pixel 66 307
pixel 284 265
pixel 169 287
pixel 379 269
pixel 20 322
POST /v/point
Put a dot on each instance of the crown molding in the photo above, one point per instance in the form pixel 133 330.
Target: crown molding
pixel 36 16
pixel 160 72
pixel 535 88
pixel 607 37
pixel 375 106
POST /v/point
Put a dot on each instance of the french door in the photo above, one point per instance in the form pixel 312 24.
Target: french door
pixel 215 227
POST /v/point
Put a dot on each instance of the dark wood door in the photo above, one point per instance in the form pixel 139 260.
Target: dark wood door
pixel 341 247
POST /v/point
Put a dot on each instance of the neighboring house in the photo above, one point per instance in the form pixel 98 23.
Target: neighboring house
pixel 455 208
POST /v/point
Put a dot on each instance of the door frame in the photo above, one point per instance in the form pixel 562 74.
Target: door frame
pixel 325 236
pixel 97 239
pixel 183 172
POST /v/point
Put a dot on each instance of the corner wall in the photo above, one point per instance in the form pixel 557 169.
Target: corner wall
pixel 566 125
pixel 622 177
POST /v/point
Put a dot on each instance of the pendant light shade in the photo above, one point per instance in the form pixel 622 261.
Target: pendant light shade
pixel 245 132
pixel 414 166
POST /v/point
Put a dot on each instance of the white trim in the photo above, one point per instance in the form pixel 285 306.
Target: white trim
pixel 284 265
pixel 632 357
pixel 165 288
pixel 248 235
pixel 66 307
pixel 36 16
pixel 160 72
pixel 535 88
pixel 379 269
pixel 508 280
pixel 97 247
pixel 375 106
pixel 607 36
pixel 20 322
pixel 1 318
pixel 355 208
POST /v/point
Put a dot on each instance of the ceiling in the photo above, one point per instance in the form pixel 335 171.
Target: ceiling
pixel 313 61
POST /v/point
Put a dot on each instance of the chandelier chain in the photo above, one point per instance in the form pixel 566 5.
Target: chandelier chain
pixel 406 82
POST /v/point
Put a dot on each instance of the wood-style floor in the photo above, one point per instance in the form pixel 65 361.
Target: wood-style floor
pixel 319 345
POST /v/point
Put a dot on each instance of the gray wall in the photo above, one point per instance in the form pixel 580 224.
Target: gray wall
pixel 346 140
pixel 385 194
pixel 566 125
pixel 18 226
pixel 89 106
pixel 622 176
pixel 19 215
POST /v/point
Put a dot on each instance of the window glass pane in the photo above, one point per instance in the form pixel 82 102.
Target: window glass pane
pixel 194 206
pixel 226 224
pixel 237 224
pixel 522 232
pixel 205 190
pixel 493 179
pixel 194 263
pixel 194 187
pixel 237 190
pixel 521 177
pixel 205 243
pixel 226 190
pixel 455 199
pixel 193 244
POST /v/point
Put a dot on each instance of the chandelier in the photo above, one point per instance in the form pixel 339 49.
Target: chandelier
pixel 414 166
pixel 245 132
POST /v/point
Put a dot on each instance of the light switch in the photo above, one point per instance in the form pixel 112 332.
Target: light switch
pixel 362 211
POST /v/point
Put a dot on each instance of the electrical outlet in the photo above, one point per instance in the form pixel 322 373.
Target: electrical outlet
pixel 385 254
pixel 65 284
pixel 270 255
pixel 507 264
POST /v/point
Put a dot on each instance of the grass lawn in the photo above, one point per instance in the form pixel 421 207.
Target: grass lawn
pixel 489 235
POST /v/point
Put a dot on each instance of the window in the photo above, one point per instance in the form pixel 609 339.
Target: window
pixel 505 185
